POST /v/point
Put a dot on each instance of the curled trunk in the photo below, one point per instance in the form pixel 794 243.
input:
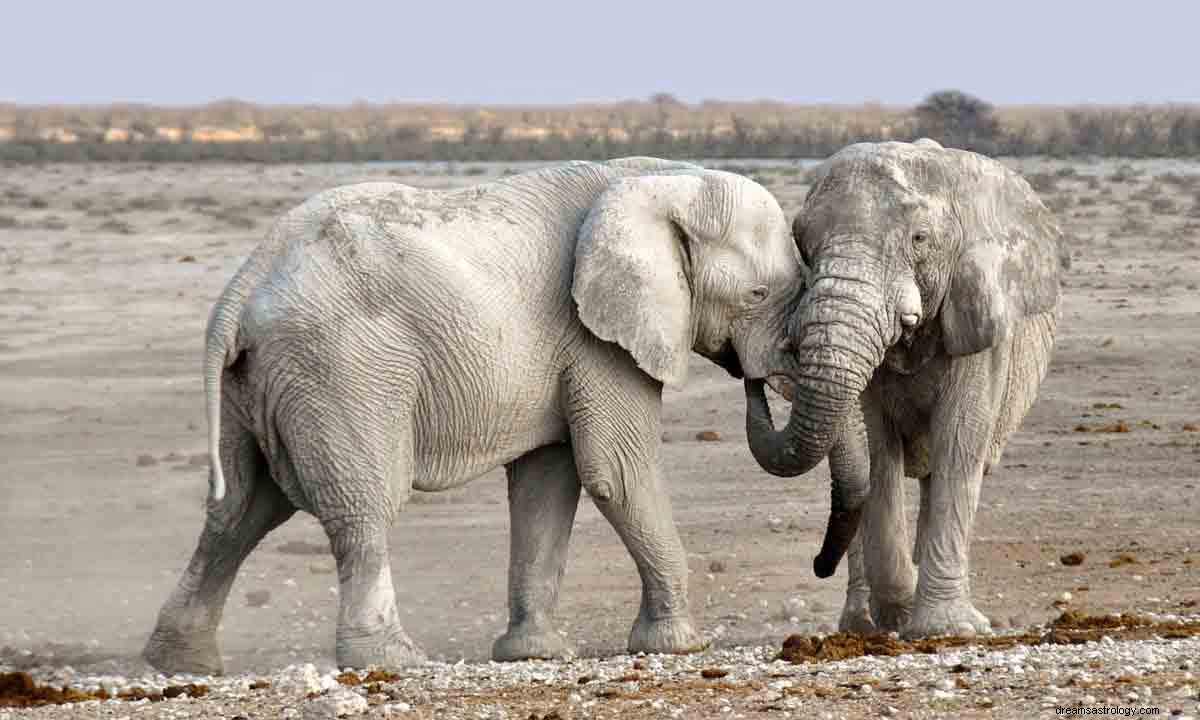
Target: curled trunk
pixel 839 345
pixel 825 393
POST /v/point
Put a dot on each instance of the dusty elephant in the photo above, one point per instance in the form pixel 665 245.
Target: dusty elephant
pixel 385 338
pixel 929 322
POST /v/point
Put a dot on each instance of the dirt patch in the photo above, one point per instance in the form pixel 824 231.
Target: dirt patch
pixel 1118 427
pixel 1069 628
pixel 302 547
pixel 1073 559
pixel 1122 559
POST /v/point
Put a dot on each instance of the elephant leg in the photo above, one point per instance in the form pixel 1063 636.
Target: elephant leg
pixel 543 494
pixel 856 613
pixel 185 637
pixel 884 528
pixel 614 416
pixel 962 427
pixel 355 468
pixel 368 625
pixel 922 520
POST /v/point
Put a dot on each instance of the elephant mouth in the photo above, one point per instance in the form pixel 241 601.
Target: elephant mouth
pixel 782 385
pixel 727 358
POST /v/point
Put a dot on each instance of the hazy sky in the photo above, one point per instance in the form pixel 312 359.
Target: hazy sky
pixel 556 51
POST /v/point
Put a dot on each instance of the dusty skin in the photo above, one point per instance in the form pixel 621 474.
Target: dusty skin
pixel 107 274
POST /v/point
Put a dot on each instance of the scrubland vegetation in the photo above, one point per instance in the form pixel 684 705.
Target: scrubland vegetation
pixel 661 125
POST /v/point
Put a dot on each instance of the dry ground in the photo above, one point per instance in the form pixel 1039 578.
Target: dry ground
pixel 107 274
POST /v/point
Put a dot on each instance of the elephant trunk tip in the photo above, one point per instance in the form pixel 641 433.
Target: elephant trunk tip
pixel 842 526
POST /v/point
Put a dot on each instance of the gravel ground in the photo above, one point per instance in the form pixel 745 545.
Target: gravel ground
pixel 1111 675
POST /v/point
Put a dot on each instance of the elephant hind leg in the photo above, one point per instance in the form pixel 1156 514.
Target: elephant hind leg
pixel 354 467
pixel 369 632
pixel 543 495
pixel 185 636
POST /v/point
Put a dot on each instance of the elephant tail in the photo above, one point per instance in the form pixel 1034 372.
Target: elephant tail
pixel 222 346
pixel 219 351
pixel 227 335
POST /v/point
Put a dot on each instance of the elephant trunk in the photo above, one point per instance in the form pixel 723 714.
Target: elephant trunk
pixel 836 354
pixel 850 468
pixel 840 337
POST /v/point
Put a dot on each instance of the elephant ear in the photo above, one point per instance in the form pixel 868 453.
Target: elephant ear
pixel 633 268
pixel 1009 263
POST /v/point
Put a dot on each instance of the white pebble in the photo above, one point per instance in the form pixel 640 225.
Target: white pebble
pixel 338 703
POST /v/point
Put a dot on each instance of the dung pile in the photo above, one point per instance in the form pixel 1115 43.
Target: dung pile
pixel 1070 628
pixel 18 689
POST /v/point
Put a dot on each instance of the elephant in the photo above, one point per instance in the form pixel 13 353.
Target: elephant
pixel 926 327
pixel 384 338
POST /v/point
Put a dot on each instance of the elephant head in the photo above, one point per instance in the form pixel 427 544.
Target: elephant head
pixel 688 259
pixel 914 250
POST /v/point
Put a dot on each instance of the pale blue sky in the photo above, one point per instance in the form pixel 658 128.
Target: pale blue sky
pixel 558 51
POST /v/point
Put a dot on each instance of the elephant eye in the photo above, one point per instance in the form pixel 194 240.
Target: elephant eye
pixel 758 294
pixel 920 237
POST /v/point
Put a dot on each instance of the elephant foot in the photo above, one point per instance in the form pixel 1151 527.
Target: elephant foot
pixel 670 636
pixel 954 617
pixel 856 616
pixel 529 642
pixel 891 615
pixel 177 653
pixel 389 649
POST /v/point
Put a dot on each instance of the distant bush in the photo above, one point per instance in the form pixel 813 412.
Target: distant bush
pixel 956 119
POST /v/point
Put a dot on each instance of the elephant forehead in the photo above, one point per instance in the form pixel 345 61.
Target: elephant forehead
pixel 912 168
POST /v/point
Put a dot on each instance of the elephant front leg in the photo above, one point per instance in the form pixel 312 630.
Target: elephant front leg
pixel 543 494
pixel 641 515
pixel 885 530
pixel 962 427
pixel 856 613
pixel 615 430
pixel 943 601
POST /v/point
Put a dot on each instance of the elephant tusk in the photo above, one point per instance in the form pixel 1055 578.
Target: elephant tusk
pixel 782 385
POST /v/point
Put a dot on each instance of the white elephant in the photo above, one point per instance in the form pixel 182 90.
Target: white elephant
pixel 929 322
pixel 385 338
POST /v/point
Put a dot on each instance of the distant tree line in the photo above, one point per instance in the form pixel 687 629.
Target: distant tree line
pixel 661 126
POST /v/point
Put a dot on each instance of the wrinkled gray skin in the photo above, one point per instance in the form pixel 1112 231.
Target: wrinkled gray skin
pixel 385 338
pixel 929 322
